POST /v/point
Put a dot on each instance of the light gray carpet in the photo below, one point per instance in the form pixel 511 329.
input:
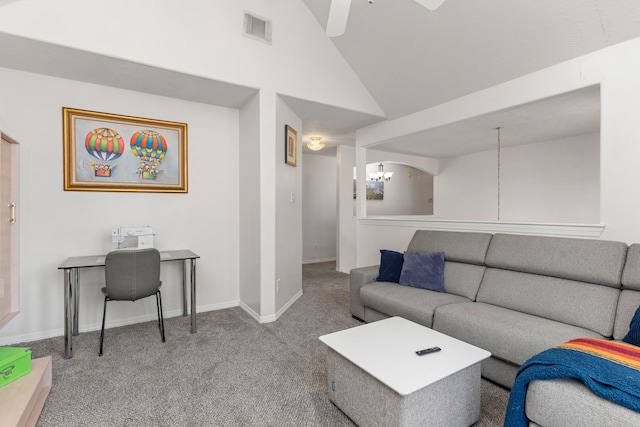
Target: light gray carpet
pixel 233 372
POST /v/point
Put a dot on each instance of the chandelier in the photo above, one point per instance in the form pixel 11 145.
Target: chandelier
pixel 315 143
pixel 380 175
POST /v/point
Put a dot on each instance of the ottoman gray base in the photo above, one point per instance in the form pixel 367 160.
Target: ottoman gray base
pixel 452 401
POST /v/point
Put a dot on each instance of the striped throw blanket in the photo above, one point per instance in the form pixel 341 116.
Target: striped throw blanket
pixel 610 369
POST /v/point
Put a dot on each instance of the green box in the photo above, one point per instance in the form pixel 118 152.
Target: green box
pixel 15 362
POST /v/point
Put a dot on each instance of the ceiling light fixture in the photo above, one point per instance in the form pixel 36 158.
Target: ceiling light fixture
pixel 380 175
pixel 315 143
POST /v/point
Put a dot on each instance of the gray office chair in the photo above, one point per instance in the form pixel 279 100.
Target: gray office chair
pixel 129 276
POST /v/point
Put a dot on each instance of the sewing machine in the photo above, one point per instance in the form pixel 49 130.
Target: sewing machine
pixel 132 237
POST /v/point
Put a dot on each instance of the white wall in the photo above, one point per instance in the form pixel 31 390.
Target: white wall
pixel 346 226
pixel 404 194
pixel 55 224
pixel 319 210
pixel 466 187
pixel 288 227
pixel 615 69
pixel 552 181
pixel 250 209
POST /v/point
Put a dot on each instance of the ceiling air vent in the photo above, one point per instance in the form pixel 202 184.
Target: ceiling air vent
pixel 257 28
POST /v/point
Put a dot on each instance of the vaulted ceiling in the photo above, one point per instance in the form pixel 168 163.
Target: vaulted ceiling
pixel 411 59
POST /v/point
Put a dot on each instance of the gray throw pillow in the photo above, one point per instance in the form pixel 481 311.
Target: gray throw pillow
pixel 423 270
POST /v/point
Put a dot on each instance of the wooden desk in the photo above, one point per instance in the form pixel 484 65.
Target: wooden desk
pixel 72 266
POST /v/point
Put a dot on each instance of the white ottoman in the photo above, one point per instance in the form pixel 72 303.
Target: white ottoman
pixel 376 379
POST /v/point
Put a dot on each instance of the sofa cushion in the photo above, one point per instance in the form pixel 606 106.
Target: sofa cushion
pixel 462 279
pixel 585 260
pixel 567 402
pixel 631 271
pixel 413 304
pixel 575 303
pixel 390 266
pixel 457 246
pixel 424 270
pixel 509 335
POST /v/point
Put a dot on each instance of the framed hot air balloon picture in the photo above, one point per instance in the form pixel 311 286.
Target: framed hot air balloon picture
pixel 111 152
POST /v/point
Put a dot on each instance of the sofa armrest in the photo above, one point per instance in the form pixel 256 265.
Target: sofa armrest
pixel 358 277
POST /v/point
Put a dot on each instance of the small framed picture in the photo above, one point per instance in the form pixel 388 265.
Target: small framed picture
pixel 290 146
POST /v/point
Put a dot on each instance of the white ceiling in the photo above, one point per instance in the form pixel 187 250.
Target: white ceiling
pixel 411 58
pixel 570 114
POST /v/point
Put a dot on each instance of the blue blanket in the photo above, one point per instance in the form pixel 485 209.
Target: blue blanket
pixel 605 377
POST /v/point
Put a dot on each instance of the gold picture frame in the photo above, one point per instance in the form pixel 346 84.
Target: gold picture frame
pixel 290 146
pixel 112 152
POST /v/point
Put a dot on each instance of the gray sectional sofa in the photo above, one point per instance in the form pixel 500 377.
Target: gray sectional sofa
pixel 515 296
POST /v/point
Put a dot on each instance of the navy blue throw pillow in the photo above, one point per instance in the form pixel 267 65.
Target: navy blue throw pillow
pixel 633 336
pixel 423 270
pixel 390 266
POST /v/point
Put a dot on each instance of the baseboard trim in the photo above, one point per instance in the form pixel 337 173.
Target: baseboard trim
pixel 250 312
pixel 218 306
pixel 15 339
pixel 288 304
pixel 52 333
pixel 271 317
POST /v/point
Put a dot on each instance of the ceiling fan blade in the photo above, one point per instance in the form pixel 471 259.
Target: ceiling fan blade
pixel 338 15
pixel 430 4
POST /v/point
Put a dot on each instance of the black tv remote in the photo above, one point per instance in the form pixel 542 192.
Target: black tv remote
pixel 427 351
